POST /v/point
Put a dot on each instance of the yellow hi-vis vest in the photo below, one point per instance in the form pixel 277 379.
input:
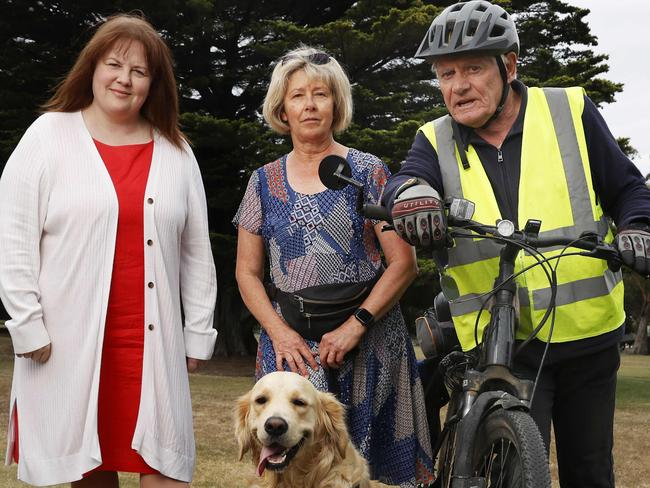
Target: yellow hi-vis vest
pixel 555 187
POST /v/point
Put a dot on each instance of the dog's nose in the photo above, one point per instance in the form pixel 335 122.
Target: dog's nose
pixel 275 426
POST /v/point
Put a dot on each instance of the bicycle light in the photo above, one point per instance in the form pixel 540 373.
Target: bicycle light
pixel 505 228
pixel 437 337
pixel 461 209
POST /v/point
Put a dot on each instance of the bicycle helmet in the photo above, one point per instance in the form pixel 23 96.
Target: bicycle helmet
pixel 470 27
pixel 475 27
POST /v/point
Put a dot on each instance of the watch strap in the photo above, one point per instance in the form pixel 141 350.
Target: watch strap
pixel 364 317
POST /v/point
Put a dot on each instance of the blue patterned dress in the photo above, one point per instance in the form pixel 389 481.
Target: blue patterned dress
pixel 317 239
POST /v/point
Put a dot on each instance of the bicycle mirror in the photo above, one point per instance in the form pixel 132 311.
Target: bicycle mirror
pixel 449 287
pixel 335 173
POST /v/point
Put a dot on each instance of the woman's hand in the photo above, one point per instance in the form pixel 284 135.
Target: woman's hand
pixel 39 355
pixel 336 344
pixel 194 364
pixel 289 346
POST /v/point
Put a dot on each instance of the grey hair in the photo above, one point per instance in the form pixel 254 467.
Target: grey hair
pixel 504 58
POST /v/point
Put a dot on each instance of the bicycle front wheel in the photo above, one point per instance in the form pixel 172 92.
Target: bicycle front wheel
pixel 509 452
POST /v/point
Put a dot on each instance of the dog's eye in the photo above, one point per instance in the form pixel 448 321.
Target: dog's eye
pixel 298 402
pixel 260 400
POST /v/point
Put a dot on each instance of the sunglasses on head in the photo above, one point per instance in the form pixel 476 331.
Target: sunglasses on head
pixel 318 58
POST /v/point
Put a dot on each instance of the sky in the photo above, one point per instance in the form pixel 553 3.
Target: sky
pixel 621 27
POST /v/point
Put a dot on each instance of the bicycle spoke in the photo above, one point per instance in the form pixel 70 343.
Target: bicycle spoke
pixel 487 463
pixel 501 466
pixel 504 458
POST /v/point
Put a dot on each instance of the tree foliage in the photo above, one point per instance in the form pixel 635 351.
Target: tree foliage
pixel 637 307
pixel 225 50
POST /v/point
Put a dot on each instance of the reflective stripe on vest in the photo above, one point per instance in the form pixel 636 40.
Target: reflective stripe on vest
pixel 555 187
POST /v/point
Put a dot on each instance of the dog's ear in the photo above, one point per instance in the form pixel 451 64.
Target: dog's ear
pixel 242 432
pixel 332 418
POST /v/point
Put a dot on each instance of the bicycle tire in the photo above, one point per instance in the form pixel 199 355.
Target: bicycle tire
pixel 446 459
pixel 447 452
pixel 509 451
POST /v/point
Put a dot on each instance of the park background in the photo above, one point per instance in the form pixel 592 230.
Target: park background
pixel 224 52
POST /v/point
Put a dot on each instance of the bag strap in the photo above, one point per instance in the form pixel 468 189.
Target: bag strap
pixel 272 291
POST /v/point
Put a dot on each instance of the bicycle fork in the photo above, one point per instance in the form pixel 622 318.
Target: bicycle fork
pixel 492 385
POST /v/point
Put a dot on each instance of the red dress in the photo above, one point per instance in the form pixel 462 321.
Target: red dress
pixel 121 371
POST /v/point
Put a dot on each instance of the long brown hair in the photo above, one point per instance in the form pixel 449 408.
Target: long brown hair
pixel 160 108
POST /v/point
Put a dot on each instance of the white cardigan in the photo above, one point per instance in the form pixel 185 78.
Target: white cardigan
pixel 58 220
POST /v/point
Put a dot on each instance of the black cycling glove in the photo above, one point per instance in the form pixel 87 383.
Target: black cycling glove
pixel 634 246
pixel 419 216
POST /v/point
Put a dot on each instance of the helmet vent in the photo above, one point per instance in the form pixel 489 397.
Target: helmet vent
pixel 471 28
pixel 449 29
pixel 497 31
pixel 481 8
pixel 456 8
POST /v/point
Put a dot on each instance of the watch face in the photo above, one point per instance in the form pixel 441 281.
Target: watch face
pixel 365 317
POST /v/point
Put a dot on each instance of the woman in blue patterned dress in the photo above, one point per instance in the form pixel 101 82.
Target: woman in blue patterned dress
pixel 313 236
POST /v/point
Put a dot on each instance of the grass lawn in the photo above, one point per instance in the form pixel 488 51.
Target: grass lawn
pixel 213 396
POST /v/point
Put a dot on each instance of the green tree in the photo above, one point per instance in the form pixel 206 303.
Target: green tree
pixel 626 147
pixel 556 48
pixel 224 52
pixel 637 307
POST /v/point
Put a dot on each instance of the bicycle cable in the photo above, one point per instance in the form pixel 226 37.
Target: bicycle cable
pixel 541 261
pixel 542 322
pixel 552 324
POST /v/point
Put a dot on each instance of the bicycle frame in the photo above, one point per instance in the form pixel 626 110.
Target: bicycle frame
pixel 489 384
pixel 492 383
pixel 497 352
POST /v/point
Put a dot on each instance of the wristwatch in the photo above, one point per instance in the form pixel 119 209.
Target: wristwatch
pixel 365 317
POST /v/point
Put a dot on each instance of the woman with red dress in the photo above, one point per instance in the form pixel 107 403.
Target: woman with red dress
pixel 103 236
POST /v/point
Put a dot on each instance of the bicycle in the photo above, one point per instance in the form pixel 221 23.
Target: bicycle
pixel 489 438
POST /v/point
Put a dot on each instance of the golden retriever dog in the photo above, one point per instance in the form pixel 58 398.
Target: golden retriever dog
pixel 297 436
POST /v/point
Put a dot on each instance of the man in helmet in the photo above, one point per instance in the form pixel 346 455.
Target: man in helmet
pixel 524 153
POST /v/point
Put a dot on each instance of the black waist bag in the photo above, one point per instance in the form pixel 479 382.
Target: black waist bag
pixel 320 309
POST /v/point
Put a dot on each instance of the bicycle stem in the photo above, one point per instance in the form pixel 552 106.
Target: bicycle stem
pixel 499 336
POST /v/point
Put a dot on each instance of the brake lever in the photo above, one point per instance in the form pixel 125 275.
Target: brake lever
pixel 606 252
pixel 615 264
pixel 612 255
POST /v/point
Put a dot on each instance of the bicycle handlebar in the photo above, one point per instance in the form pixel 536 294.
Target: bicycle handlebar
pixel 335 173
pixel 592 243
pixel 377 212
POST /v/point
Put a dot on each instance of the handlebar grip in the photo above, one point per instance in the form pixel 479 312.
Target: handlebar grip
pixel 615 262
pixel 376 212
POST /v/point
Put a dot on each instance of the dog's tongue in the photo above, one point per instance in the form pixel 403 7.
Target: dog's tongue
pixel 267 452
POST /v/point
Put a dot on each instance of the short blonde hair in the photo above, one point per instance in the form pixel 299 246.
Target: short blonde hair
pixel 331 73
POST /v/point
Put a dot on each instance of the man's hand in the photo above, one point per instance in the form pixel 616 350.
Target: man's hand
pixel 634 246
pixel 419 216
pixel 39 355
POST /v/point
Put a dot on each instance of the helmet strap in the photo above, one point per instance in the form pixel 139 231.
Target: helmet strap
pixel 504 92
pixel 460 144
